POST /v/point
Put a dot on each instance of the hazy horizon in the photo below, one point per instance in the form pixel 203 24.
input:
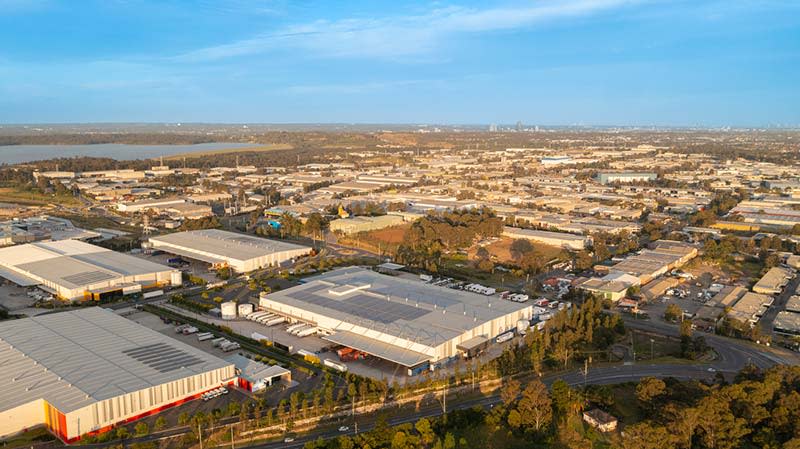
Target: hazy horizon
pixel 642 63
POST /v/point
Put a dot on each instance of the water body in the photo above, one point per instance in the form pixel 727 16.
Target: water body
pixel 15 154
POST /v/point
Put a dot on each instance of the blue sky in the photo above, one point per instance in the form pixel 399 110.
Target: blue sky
pixel 550 62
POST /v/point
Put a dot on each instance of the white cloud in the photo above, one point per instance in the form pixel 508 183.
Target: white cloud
pixel 400 37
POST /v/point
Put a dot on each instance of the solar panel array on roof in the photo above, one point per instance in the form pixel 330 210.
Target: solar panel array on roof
pixel 88 277
pixel 365 306
pixel 162 357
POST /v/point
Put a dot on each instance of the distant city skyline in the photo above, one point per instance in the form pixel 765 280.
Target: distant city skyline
pixel 708 63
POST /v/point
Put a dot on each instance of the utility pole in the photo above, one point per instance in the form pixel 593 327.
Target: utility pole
pixel 232 442
pixel 633 349
pixel 585 371
pixel 652 354
pixel 200 435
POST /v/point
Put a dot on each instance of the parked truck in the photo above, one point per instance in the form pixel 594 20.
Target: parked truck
pixel 335 365
pixel 275 320
pixel 505 337
pixel 306 332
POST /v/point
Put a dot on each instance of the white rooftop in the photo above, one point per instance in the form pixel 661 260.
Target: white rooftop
pixel 225 244
pixel 72 359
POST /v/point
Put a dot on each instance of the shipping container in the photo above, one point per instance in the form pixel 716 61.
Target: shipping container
pixel 335 365
pixel 152 294
pixel 274 321
pixel 307 332
pixel 505 337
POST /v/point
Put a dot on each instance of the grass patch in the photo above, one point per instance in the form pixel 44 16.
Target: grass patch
pixel 626 406
pixel 30 438
pixel 29 198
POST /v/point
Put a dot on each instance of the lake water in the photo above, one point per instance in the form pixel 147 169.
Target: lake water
pixel 14 154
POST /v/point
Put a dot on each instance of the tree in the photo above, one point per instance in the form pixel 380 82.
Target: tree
pixel 519 248
pixel 650 388
pixel 645 435
pixel 535 407
pixel 141 429
pixel 423 427
pixel 160 423
pixel 673 312
pixel 510 391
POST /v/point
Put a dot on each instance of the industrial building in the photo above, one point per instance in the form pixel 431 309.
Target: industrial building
pixel 773 281
pixel 240 252
pixel 355 225
pixel 623 177
pixel 407 322
pixel 648 264
pixel 72 269
pixel 83 371
pixel 255 376
pixel 560 239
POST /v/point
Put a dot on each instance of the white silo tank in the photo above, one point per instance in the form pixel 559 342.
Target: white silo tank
pixel 245 309
pixel 228 310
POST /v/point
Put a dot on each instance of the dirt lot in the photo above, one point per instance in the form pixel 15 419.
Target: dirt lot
pixel 394 234
pixel 501 250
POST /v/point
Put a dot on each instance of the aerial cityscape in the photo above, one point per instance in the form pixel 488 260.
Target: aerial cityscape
pixel 269 224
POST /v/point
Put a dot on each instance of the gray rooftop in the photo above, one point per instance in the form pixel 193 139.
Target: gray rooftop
pixel 395 306
pixel 72 359
pixel 71 263
pixel 225 244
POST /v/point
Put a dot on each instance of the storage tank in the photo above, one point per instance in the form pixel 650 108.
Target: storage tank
pixel 228 310
pixel 176 278
pixel 245 309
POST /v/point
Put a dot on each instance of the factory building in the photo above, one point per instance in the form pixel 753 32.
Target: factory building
pixel 72 269
pixel 623 177
pixel 240 252
pixel 255 376
pixel 407 322
pixel 355 225
pixel 560 239
pixel 83 371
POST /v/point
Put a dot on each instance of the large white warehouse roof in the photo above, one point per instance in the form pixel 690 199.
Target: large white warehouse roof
pixel 373 312
pixel 73 359
pixel 243 252
pixel 71 265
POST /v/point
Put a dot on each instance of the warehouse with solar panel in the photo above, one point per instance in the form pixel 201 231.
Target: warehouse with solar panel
pixel 408 323
pixel 83 371
pixel 71 270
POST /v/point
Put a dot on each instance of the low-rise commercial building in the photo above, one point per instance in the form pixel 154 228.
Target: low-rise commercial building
pixel 355 225
pixel 240 252
pixel 560 239
pixel 773 281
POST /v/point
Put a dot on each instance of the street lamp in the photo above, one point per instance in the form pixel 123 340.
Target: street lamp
pixel 652 354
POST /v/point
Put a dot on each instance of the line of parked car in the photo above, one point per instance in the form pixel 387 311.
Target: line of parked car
pixel 215 393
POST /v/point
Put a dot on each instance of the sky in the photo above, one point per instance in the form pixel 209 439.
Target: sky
pixel 547 62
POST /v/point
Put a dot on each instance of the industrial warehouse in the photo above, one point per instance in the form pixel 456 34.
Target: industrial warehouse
pixel 240 252
pixel 83 371
pixel 404 321
pixel 71 269
pixel 560 239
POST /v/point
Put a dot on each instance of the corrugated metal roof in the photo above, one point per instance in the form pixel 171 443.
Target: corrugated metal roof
pixel 72 359
pixel 71 263
pixel 394 306
pixel 225 245
pixel 392 353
